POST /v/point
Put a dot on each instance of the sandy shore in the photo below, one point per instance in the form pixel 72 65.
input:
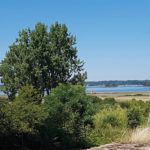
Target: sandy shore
pixel 123 96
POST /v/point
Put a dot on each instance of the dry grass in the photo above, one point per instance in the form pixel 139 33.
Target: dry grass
pixel 125 96
pixel 141 136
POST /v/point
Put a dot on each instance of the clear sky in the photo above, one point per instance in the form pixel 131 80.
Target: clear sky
pixel 113 36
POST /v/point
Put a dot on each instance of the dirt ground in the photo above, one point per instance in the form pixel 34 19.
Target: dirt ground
pixel 119 146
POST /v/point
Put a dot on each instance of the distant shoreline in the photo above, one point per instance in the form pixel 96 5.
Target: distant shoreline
pixel 116 83
pixel 118 89
pixel 100 86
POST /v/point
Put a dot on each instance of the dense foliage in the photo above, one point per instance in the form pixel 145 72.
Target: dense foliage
pixel 66 119
pixel 70 115
pixel 43 58
pixel 19 124
pixel 61 121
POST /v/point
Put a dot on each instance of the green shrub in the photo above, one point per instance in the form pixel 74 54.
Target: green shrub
pixel 135 117
pixel 109 101
pixel 30 94
pixel 96 102
pixel 106 135
pixel 124 104
pixel 110 124
pixel 114 117
pixel 20 122
pixel 132 103
pixel 137 112
pixel 70 115
pixel 22 117
pixel 147 108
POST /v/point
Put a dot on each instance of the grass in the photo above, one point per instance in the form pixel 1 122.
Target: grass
pixel 141 136
pixel 138 94
pixel 145 96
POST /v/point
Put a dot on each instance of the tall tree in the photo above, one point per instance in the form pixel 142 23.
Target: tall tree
pixel 43 58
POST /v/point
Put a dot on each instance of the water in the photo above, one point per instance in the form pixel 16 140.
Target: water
pixel 118 89
pixel 1 93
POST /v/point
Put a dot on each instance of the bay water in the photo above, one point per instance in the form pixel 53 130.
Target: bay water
pixel 119 89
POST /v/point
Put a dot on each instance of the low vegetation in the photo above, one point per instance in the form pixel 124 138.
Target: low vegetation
pixel 67 119
pixel 47 106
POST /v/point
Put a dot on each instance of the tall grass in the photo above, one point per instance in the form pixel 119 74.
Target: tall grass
pixel 111 117
pixel 110 125
pixel 141 136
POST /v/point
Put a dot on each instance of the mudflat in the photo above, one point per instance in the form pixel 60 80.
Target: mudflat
pixel 124 96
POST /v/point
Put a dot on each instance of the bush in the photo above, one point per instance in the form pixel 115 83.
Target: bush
pixel 63 121
pixel 19 123
pixel 29 94
pixel 109 101
pixel 96 102
pixel 110 124
pixel 135 117
pixel 66 119
pixel 106 135
pixel 70 116
pixel 137 112
pixel 111 117
pixel 147 108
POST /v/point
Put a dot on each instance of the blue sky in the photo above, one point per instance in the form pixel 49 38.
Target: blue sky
pixel 113 36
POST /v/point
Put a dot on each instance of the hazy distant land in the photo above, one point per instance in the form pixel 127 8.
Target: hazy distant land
pixel 115 83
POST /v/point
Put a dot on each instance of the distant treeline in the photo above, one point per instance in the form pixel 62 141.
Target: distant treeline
pixel 114 83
